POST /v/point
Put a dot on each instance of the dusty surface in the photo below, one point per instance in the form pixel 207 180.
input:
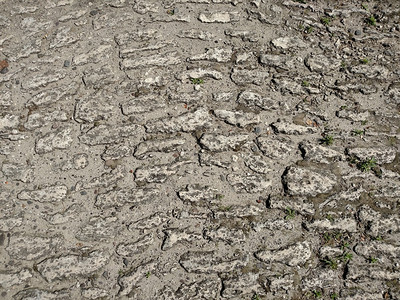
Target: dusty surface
pixel 199 149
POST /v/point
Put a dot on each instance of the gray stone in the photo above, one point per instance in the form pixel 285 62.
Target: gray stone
pixel 63 37
pixel 120 197
pixel 380 154
pixel 186 122
pixel 157 60
pixel 67 266
pixel 322 64
pixel 254 100
pixel 221 17
pixel 257 164
pixel 249 183
pixel 294 255
pixel 98 229
pixel 298 204
pixel 196 34
pixel 115 152
pixel 149 222
pixel 211 262
pixel 140 245
pixel 240 119
pixel 158 173
pixel 226 235
pixel 8 280
pixel 276 147
pixel 134 278
pixel 104 180
pixel 158 145
pixel 305 182
pixel 215 55
pixel 199 195
pixel 342 224
pixel 94 293
pixel 94 108
pixel 53 193
pixel 36 294
pixel 32 247
pixel 247 284
pixel 245 76
pixel 290 128
pixel 143 104
pixel 59 139
pixel 288 42
pixel 18 171
pixel 177 235
pixel 107 134
pixel 320 154
pixel 219 142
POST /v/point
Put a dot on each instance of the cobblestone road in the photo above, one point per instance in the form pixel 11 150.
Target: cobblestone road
pixel 199 149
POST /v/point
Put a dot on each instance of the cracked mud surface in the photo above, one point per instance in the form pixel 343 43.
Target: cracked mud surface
pixel 199 149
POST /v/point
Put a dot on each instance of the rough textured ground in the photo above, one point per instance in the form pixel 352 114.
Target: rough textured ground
pixel 199 149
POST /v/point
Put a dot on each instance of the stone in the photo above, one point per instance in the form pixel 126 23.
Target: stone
pixel 120 197
pixel 294 255
pixel 254 100
pixel 322 64
pixel 198 195
pixel 247 284
pixel 35 293
pixel 63 37
pixel 143 104
pixel 214 55
pixel 320 154
pixel 186 122
pixel 257 164
pixel 32 247
pixel 219 142
pixel 116 152
pixel 249 183
pixel 221 17
pixel 18 171
pixel 245 77
pixel 210 262
pixel 290 128
pixel 158 145
pixel 94 293
pixel 228 236
pixel 288 42
pixel 276 147
pixel 305 182
pixel 59 139
pixel 98 229
pixel 196 34
pixel 94 108
pixel 72 265
pixel 140 245
pixel 107 134
pixel 237 118
pixel 131 280
pixel 104 180
pixel 150 221
pixel 158 173
pixel 381 155
pixel 179 235
pixel 202 289
pixel 342 224
pixel 52 193
pixel 298 204
pixel 8 280
pixel 157 60
pixel 238 211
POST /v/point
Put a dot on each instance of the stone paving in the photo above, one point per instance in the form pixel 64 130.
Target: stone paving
pixel 199 149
